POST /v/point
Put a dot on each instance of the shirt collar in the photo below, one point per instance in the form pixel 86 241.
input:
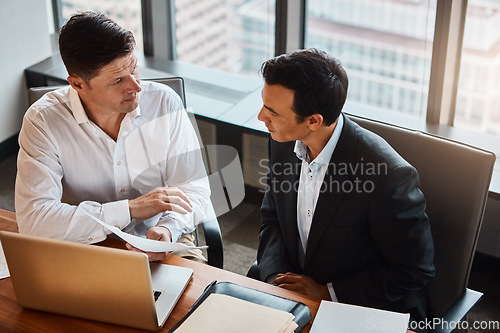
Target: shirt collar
pixel 77 107
pixel 326 154
pixel 80 114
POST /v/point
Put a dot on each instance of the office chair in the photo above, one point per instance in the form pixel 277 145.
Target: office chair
pixel 454 178
pixel 210 228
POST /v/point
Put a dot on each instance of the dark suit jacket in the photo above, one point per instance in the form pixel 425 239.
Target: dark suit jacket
pixel 370 235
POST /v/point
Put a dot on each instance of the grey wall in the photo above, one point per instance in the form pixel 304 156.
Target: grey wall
pixel 24 41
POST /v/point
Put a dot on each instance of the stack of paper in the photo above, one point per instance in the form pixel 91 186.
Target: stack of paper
pixel 222 313
pixel 333 317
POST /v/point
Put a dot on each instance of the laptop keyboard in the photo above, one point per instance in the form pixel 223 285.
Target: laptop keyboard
pixel 157 294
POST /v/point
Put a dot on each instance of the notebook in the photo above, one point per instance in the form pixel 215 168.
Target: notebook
pixel 92 282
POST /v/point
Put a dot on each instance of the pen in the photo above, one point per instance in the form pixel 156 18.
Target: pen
pixel 203 295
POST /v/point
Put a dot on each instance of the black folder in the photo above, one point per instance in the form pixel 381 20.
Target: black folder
pixel 298 309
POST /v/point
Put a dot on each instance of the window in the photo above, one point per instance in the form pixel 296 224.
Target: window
pixel 478 96
pixel 235 36
pixel 385 43
pixel 385 47
pixel 126 13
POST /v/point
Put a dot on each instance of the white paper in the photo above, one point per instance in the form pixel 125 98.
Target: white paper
pixel 4 270
pixel 333 317
pixel 144 244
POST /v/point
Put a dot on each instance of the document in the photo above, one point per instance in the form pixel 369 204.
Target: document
pixel 146 245
pixel 4 270
pixel 221 313
pixel 333 317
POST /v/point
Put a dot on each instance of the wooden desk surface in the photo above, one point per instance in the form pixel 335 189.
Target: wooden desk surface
pixel 13 318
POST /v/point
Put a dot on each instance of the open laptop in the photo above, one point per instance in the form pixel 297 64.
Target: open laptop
pixel 92 282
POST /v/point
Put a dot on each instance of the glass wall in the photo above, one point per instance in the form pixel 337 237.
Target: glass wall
pixel 478 100
pixel 235 36
pixel 126 13
pixel 385 47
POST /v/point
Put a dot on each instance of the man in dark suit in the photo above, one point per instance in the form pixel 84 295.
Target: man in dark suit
pixel 343 217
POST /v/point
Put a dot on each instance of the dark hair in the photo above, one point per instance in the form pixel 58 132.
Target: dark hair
pixel 89 41
pixel 318 80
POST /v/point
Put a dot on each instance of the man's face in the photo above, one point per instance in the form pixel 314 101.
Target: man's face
pixel 115 88
pixel 277 113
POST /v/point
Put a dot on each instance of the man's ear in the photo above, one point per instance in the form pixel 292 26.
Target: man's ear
pixel 76 82
pixel 315 121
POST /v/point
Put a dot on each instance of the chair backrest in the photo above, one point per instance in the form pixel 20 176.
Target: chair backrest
pixel 176 83
pixel 454 178
pixel 35 93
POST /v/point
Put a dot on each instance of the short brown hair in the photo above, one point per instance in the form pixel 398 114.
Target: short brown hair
pixel 89 41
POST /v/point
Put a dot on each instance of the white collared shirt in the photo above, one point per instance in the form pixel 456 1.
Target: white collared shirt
pixel 311 178
pixel 67 165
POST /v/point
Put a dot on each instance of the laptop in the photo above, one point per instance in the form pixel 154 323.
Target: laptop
pixel 92 282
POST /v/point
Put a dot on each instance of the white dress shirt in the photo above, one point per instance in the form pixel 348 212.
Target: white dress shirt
pixel 311 178
pixel 67 165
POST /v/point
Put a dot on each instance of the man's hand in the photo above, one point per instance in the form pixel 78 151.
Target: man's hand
pixel 159 200
pixel 302 284
pixel 155 233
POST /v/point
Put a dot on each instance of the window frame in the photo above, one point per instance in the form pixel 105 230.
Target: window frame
pixel 159 28
pixel 447 46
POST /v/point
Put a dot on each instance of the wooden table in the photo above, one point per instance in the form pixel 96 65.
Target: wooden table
pixel 13 318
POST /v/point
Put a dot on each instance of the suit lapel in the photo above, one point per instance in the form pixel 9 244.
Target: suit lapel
pixel 288 182
pixel 331 193
pixel 291 219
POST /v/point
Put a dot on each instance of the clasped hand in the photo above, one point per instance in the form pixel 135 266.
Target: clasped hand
pixel 302 284
pixel 157 201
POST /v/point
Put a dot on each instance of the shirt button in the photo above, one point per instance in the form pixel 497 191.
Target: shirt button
pixel 118 163
pixel 308 212
pixel 122 190
pixel 91 239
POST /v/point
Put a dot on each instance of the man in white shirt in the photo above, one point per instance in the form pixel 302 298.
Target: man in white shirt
pixel 343 217
pixel 111 146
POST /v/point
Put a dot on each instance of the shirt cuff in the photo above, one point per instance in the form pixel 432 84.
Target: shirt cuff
pixel 170 224
pixel 332 292
pixel 270 279
pixel 117 213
